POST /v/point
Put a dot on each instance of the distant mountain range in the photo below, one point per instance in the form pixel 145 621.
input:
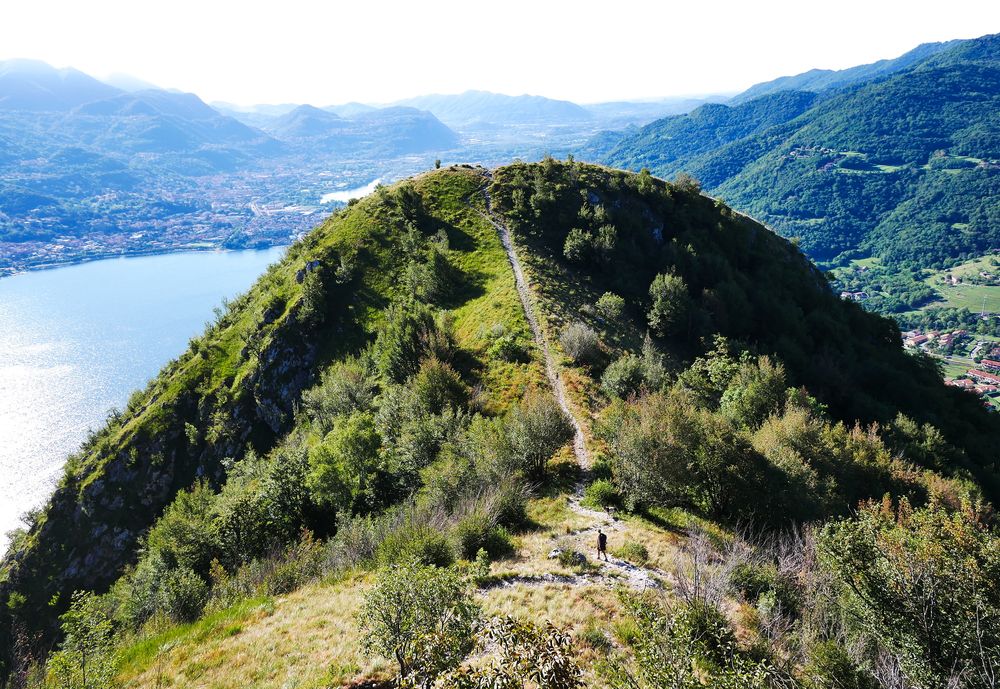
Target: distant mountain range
pixel 91 168
pixel 33 86
pixel 483 107
pixel 899 159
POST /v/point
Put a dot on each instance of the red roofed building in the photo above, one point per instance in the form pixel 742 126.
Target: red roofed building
pixel 990 364
pixel 984 376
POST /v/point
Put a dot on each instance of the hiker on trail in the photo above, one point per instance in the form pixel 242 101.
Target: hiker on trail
pixel 602 545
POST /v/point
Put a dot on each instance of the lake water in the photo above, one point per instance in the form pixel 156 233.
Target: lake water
pixel 76 341
pixel 348 194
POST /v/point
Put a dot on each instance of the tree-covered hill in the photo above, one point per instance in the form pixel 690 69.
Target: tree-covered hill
pixel 822 79
pixel 383 396
pixel 901 166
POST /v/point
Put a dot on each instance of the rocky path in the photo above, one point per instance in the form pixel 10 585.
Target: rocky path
pixel 614 570
pixel 551 369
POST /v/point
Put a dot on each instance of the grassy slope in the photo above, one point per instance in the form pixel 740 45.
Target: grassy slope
pixel 966 296
pixel 308 639
pixel 487 296
pixel 239 382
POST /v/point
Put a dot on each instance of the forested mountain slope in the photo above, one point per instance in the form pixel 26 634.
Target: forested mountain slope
pixel 817 80
pixel 903 167
pixel 380 387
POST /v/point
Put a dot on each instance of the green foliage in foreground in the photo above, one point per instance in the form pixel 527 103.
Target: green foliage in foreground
pixel 420 616
pixel 925 585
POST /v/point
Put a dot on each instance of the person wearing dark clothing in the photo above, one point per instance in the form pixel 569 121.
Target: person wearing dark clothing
pixel 602 545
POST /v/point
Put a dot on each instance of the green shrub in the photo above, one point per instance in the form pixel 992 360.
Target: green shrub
pixel 573 559
pixel 600 468
pixel 750 579
pixel 595 637
pixel 297 566
pixel 472 532
pixel 602 493
pixel 438 387
pixel 183 595
pixel 830 667
pixel 671 310
pixel 480 570
pixel 507 348
pixel 623 377
pixel 184 535
pixel 423 544
pixel 343 467
pixel 520 443
pixel 86 659
pixel 345 387
pixel 633 552
pixel 578 246
pixel 536 428
pixel 403 340
pixel 477 531
pixel 610 306
pixel 421 617
pixel 509 503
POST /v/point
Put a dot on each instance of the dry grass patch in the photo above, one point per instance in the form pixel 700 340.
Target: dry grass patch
pixel 310 640
pixel 573 608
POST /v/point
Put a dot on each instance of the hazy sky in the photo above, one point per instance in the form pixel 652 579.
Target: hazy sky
pixel 326 51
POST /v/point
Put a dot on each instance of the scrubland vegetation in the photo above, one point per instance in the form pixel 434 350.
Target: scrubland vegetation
pixel 791 500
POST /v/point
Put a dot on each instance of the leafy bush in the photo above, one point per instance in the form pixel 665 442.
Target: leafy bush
pixel 183 595
pixel 343 467
pixel 671 309
pixel 522 654
pixel 422 544
pixel 581 343
pixel 830 667
pixel 404 339
pixel 666 451
pixel 610 306
pixel 601 493
pixel 472 533
pixel 509 503
pixel 578 246
pixel 507 348
pixel 633 552
pixel 420 616
pixel 623 377
pixel 924 584
pixel 535 429
pixel 86 659
pixel 184 536
pixel 345 387
pixel 684 646
pixel 572 559
pixel 295 567
pixel 437 387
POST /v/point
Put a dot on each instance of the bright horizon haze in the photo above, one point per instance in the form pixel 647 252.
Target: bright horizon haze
pixel 382 51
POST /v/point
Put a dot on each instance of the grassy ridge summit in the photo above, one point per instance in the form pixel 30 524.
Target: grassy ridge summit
pixel 903 167
pixel 381 388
